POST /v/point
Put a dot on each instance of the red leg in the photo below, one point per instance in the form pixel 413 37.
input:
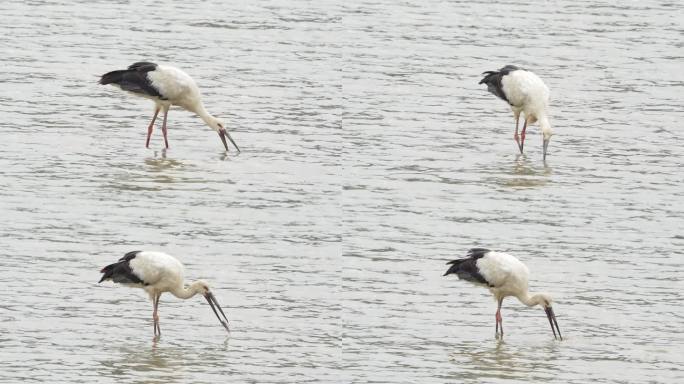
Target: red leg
pixel 522 136
pixel 496 334
pixel 499 320
pixel 515 136
pixel 155 316
pixel 151 127
pixel 166 141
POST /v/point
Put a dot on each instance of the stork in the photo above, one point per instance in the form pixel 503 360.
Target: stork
pixel 156 273
pixel 504 275
pixel 166 86
pixel 525 92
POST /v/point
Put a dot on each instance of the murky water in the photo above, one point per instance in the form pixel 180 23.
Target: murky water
pixel 370 158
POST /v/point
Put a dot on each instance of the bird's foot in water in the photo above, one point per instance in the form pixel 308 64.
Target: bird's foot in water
pixel 517 141
pixel 522 141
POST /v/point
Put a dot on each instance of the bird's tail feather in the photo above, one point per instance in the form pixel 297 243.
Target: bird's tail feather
pixel 112 77
pixel 108 271
pixel 488 76
pixel 455 266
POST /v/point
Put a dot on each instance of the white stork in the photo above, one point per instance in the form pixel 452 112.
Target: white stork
pixel 166 86
pixel 504 275
pixel 526 93
pixel 156 273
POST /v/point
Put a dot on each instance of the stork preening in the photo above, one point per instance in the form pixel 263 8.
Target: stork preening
pixel 525 92
pixel 504 275
pixel 166 86
pixel 156 273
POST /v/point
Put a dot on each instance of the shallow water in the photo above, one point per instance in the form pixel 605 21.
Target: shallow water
pixel 370 158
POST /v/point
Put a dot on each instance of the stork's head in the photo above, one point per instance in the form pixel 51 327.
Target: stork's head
pixel 219 126
pixel 545 301
pixel 546 131
pixel 202 287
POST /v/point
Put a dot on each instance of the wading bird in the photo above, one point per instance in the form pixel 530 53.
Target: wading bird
pixel 156 273
pixel 525 92
pixel 166 86
pixel 504 275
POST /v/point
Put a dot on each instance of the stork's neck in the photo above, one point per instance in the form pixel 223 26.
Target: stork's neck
pixel 545 125
pixel 187 292
pixel 532 299
pixel 206 116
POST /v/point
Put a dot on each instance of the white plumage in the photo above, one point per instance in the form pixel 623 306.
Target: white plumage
pixel 160 272
pixel 176 86
pixel 156 273
pixel 504 275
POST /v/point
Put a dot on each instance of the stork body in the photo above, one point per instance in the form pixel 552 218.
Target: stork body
pixel 156 273
pixel 526 93
pixel 504 275
pixel 166 86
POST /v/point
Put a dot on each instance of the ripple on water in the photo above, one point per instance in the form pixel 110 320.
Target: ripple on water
pixel 371 157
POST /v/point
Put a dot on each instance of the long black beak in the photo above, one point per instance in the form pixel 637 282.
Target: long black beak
pixel 214 304
pixel 552 321
pixel 222 134
pixel 546 145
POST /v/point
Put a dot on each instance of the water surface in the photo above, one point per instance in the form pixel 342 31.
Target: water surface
pixel 370 158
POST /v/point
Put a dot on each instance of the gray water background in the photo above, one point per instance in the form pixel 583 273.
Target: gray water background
pixel 371 157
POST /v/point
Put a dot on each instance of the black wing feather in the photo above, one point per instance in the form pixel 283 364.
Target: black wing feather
pixel 145 66
pixel 466 269
pixel 121 272
pixel 478 252
pixel 493 81
pixel 130 256
pixel 134 79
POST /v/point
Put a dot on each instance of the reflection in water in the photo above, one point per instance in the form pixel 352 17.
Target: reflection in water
pixel 160 164
pixel 483 357
pixel 506 360
pixel 528 167
pixel 161 169
pixel 165 361
pixel 225 155
pixel 524 173
pixel 144 360
pixel 161 153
